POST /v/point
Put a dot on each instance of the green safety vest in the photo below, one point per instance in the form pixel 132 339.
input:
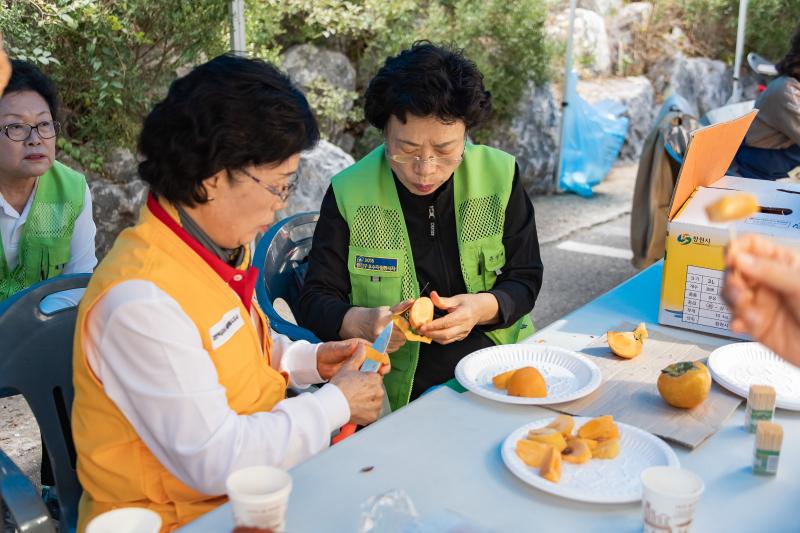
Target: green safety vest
pixel 379 258
pixel 44 247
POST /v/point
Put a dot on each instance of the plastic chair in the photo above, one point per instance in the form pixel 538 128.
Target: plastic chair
pixel 36 362
pixel 282 256
pixel 24 504
pixel 727 112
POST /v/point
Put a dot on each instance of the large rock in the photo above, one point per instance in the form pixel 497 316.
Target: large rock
pixel 532 137
pixel 121 166
pixel 305 62
pixel 116 197
pixel 632 18
pixel 601 7
pixel 308 65
pixel 590 45
pixel 636 95
pixel 116 207
pixel 705 83
pixel 314 174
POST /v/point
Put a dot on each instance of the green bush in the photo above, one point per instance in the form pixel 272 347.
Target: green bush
pixel 111 59
pixel 506 39
pixel 711 25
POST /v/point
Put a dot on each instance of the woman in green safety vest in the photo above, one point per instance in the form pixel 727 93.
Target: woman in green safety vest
pixel 45 208
pixel 426 211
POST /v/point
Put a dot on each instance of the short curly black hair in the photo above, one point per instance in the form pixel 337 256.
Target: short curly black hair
pixel 790 64
pixel 226 114
pixel 26 77
pixel 428 80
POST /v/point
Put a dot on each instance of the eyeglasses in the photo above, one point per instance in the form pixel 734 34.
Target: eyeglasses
pixel 21 132
pixel 283 192
pixel 404 159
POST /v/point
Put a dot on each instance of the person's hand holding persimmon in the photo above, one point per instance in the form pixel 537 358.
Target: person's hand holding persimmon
pixel 762 288
pixel 464 312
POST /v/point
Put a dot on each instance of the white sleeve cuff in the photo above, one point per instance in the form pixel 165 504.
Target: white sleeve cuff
pixel 303 365
pixel 334 404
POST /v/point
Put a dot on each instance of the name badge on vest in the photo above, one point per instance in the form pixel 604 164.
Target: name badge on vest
pixel 222 331
pixel 376 264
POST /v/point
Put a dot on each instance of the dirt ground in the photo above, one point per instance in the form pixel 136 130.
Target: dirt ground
pixel 19 435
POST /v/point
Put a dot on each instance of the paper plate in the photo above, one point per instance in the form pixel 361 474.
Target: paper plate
pixel 568 375
pixel 598 480
pixel 737 366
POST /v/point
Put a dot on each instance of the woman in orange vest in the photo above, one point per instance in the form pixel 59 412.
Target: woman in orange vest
pixel 179 380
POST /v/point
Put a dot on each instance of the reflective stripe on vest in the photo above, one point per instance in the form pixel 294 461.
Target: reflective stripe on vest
pixel 44 247
pixel 379 259
pixel 115 467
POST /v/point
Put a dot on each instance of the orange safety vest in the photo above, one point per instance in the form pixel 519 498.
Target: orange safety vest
pixel 115 467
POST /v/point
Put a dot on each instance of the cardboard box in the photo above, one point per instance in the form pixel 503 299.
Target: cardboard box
pixel 694 261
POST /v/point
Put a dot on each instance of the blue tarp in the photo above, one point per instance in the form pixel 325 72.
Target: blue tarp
pixel 593 137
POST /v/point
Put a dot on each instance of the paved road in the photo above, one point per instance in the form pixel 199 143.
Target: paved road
pixel 584 245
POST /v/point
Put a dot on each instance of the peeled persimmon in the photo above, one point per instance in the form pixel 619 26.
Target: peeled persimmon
pixel 548 436
pixel 532 452
pixel 563 424
pixel 606 449
pixel 527 382
pixel 421 312
pixel 551 466
pixel 548 447
pixel 501 380
pixel 732 207
pixel 600 428
pixel 576 452
pixel 591 443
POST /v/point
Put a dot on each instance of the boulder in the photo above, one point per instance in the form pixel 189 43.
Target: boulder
pixel 590 45
pixel 116 198
pixel 314 174
pixel 305 62
pixel 636 94
pixel 308 65
pixel 115 207
pixel 532 137
pixel 705 83
pixel 604 8
pixel 121 166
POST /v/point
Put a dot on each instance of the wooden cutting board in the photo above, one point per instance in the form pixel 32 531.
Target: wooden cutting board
pixel 628 391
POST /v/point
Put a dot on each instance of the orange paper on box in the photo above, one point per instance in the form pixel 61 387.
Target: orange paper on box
pixel 711 151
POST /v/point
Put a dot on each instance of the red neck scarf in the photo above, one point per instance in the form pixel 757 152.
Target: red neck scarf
pixel 243 282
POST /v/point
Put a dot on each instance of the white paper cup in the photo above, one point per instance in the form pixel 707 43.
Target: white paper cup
pixel 669 498
pixel 126 520
pixel 259 496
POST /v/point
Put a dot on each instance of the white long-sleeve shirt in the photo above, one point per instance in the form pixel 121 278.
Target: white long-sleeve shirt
pixel 82 254
pixel 150 359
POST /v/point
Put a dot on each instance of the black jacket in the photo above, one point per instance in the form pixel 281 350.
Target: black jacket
pixel 325 295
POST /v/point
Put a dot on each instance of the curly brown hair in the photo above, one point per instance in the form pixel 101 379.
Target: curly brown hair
pixel 790 64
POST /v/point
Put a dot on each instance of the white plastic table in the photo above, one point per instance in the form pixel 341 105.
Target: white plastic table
pixel 443 450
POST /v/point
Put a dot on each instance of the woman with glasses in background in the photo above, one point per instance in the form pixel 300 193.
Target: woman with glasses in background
pixel 425 211
pixel 45 207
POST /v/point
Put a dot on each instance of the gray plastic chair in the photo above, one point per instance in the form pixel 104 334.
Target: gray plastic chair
pixel 36 362
pixel 24 504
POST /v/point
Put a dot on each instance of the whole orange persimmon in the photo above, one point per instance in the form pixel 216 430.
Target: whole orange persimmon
pixel 685 384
